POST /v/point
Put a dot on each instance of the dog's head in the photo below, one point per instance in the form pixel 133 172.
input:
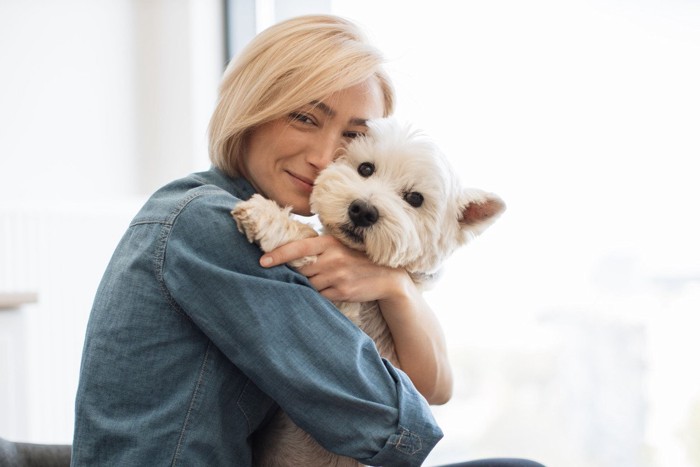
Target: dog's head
pixel 393 195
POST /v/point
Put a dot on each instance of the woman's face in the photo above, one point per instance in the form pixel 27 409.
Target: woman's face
pixel 284 156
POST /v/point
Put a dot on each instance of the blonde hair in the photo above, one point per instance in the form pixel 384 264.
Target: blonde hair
pixel 285 67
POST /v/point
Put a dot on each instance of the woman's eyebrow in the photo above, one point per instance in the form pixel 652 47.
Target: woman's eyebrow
pixel 331 113
pixel 323 108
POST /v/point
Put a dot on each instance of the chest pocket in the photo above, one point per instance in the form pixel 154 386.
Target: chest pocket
pixel 255 405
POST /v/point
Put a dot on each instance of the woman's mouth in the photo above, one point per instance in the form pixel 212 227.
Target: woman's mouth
pixel 302 182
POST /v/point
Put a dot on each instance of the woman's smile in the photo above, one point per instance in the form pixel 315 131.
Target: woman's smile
pixel 304 183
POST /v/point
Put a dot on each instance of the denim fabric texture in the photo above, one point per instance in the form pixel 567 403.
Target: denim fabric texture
pixel 191 346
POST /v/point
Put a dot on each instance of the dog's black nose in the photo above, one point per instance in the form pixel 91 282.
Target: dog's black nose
pixel 362 214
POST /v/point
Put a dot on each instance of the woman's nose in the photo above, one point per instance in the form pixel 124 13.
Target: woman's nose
pixel 325 151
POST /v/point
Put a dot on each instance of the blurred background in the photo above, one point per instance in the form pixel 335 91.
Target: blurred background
pixel 572 322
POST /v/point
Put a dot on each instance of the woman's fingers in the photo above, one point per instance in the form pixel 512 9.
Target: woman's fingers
pixel 339 273
pixel 313 246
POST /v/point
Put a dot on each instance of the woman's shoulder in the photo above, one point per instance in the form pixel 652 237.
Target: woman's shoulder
pixel 199 227
pixel 211 191
pixel 194 221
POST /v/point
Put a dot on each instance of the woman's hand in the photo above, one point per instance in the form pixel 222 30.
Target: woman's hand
pixel 346 275
pixel 339 273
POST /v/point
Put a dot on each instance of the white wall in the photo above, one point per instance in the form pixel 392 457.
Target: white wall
pixel 102 102
pixel 107 98
pixel 67 92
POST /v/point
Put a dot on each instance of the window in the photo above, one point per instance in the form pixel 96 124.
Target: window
pixel 568 318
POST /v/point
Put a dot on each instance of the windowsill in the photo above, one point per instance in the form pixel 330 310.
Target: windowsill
pixel 11 301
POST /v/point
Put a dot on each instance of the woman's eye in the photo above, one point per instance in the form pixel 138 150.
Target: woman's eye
pixel 414 198
pixel 365 169
pixel 302 118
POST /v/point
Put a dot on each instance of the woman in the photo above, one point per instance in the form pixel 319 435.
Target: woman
pixel 191 344
pixel 194 340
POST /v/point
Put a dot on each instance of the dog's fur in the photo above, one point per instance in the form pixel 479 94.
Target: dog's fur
pixel 387 226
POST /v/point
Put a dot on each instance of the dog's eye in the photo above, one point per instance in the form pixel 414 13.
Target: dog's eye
pixel 414 198
pixel 365 169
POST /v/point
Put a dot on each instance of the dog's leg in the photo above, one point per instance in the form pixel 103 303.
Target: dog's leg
pixel 265 223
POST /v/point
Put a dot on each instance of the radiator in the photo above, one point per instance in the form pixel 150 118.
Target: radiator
pixel 57 252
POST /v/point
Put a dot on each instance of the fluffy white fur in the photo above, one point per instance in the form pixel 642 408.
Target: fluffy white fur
pixel 418 238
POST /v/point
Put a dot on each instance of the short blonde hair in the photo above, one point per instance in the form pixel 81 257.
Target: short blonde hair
pixel 285 67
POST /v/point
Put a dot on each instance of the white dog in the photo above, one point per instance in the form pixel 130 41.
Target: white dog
pixel 392 195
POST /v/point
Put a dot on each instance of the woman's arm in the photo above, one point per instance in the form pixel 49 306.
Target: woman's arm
pixel 419 340
pixel 342 274
pixel 279 332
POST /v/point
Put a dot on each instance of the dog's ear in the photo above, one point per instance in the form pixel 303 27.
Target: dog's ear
pixel 479 210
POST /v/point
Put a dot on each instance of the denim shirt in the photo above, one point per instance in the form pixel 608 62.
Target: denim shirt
pixel 191 346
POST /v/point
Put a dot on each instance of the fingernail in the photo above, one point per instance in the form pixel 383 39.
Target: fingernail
pixel 265 261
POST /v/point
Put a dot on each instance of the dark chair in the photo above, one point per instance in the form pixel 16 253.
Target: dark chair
pixel 14 454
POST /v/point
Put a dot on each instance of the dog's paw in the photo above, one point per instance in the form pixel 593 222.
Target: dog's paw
pixel 255 217
pixel 265 223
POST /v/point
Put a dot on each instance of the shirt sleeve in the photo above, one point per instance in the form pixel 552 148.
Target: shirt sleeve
pixel 323 371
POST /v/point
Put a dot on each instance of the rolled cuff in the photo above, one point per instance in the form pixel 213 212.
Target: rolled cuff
pixel 417 432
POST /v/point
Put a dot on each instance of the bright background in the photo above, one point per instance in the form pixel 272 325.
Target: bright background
pixel 571 322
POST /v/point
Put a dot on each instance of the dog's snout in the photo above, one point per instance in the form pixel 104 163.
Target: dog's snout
pixel 362 214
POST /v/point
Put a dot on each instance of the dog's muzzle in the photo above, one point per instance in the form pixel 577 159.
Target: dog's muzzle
pixel 362 214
